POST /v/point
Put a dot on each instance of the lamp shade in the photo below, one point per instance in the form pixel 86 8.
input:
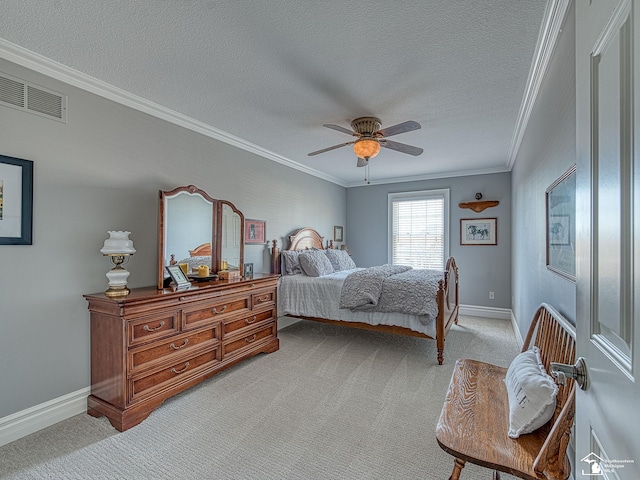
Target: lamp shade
pixel 118 243
pixel 366 147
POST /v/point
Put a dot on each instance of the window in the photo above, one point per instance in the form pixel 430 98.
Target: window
pixel 419 228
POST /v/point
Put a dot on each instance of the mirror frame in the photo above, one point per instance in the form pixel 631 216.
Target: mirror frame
pixel 218 236
pixel 216 229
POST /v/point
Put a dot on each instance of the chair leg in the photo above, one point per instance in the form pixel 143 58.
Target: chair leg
pixel 458 465
pixel 496 475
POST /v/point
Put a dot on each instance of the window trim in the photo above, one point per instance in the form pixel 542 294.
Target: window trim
pixel 419 195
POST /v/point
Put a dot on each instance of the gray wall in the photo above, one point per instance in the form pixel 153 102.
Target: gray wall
pixel 102 171
pixel 482 268
pixel 546 152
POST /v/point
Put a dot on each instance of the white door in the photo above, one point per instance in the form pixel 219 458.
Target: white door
pixel 608 238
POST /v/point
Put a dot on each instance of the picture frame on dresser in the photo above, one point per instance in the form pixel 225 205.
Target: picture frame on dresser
pixel 177 275
pixel 16 201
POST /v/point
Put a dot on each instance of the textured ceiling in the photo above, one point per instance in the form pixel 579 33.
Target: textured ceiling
pixel 272 72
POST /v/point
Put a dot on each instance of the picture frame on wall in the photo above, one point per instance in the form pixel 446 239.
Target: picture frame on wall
pixel 561 227
pixel 478 231
pixel 16 201
pixel 254 231
pixel 338 233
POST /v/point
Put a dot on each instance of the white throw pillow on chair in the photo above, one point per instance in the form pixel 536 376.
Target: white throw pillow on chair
pixel 532 393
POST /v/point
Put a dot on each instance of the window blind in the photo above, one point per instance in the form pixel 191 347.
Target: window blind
pixel 418 231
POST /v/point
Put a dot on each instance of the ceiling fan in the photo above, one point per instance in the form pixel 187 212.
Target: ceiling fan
pixel 371 138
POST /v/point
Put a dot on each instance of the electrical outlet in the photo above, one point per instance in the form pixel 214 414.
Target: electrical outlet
pixel 492 296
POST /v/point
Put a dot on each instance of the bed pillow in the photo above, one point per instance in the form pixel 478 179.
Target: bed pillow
pixel 291 262
pixel 315 263
pixel 340 259
pixel 532 393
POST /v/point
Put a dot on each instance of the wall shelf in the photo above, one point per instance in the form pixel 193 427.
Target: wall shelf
pixel 480 205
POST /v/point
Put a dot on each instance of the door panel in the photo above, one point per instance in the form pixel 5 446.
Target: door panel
pixel 607 422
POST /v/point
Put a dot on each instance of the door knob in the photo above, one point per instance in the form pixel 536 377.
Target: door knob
pixel 563 371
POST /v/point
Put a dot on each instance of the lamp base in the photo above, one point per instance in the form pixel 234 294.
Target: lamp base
pixel 117 292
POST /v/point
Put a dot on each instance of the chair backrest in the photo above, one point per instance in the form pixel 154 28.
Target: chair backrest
pixel 556 339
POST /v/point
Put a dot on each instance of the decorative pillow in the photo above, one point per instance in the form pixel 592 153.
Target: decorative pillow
pixel 315 263
pixel 291 262
pixel 532 393
pixel 340 259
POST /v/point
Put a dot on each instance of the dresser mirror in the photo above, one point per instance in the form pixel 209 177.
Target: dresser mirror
pixel 195 229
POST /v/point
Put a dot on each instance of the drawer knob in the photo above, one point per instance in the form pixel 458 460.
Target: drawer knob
pixel 184 344
pixel 249 321
pixel 147 328
pixel 250 339
pixel 263 298
pixel 186 365
pixel 216 311
pixel 252 285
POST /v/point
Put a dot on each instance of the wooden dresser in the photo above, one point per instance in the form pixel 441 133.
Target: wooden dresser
pixel 152 344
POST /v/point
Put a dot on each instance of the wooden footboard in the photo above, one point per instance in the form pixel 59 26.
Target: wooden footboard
pixel 448 305
pixel 446 296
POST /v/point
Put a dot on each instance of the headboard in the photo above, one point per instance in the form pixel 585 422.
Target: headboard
pixel 301 239
pixel 305 238
pixel 203 250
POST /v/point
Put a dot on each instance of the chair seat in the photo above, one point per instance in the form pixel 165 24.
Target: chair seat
pixel 479 435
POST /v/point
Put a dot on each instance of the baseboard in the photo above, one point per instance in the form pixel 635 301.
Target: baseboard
pixel 487 312
pixel 516 330
pixel 26 422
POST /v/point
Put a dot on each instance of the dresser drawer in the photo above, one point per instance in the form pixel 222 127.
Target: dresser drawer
pixel 210 312
pixel 151 328
pixel 180 371
pixel 235 326
pixel 148 355
pixel 263 298
pixel 248 340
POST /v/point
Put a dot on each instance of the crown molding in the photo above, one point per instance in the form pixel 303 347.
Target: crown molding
pixel 38 63
pixel 552 21
pixel 433 176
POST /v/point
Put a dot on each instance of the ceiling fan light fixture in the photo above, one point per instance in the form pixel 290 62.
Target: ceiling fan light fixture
pixel 366 147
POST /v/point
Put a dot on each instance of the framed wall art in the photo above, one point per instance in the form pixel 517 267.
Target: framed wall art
pixel 561 225
pixel 254 231
pixel 478 231
pixel 338 234
pixel 16 201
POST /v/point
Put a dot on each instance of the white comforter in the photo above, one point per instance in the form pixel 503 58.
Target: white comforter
pixel 299 295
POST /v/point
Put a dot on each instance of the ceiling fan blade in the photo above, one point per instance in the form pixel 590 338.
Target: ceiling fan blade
pixel 329 148
pixel 362 162
pixel 402 147
pixel 399 128
pixel 341 129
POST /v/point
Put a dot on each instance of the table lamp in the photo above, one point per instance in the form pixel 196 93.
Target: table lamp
pixel 119 248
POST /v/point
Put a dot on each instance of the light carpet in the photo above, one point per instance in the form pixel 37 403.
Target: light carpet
pixel 332 403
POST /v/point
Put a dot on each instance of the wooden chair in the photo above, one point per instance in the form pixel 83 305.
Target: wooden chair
pixel 474 421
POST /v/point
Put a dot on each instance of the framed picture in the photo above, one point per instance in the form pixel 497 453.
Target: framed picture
pixel 561 226
pixel 338 234
pixel 254 231
pixel 248 269
pixel 178 276
pixel 478 231
pixel 16 201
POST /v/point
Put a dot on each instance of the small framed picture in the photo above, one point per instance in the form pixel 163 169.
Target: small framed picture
pixel 254 231
pixel 248 269
pixel 338 234
pixel 178 276
pixel 478 231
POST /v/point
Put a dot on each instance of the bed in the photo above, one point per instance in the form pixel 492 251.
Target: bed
pixel 319 298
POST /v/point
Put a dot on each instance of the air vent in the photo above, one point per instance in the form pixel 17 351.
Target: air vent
pixel 32 98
